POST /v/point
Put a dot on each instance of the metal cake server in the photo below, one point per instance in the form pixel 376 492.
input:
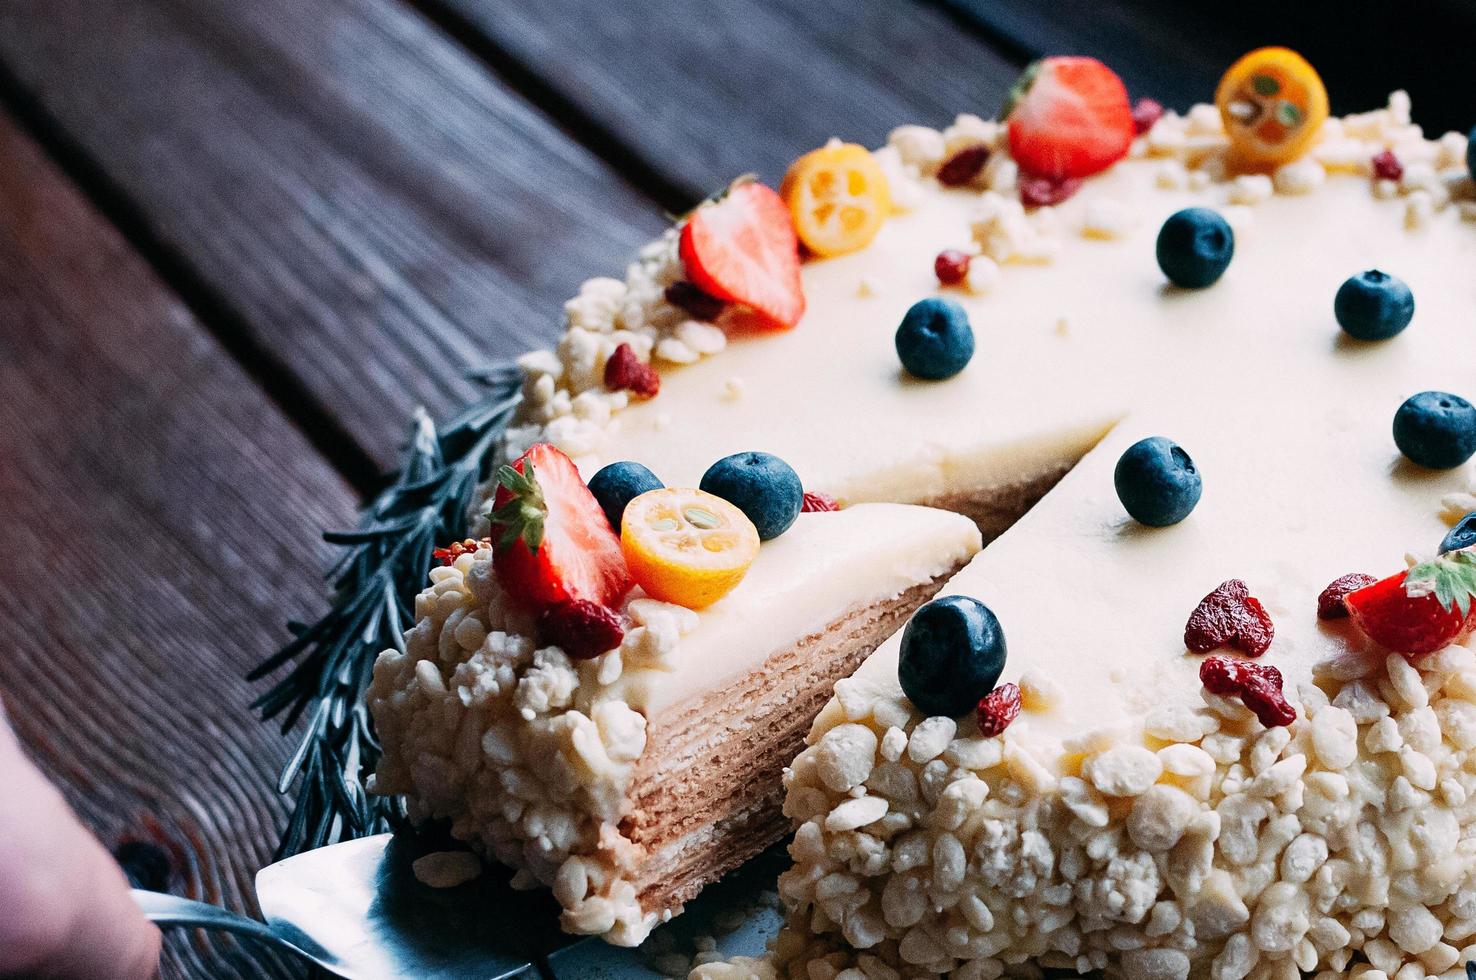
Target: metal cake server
pixel 357 910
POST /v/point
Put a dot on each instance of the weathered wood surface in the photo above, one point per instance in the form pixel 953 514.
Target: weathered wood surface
pixel 362 196
pixel 161 519
pixel 703 92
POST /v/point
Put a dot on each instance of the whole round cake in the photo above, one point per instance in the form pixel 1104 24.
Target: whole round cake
pixel 1208 709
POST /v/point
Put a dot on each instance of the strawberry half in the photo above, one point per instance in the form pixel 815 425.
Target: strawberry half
pixel 1069 118
pixel 552 542
pixel 1421 610
pixel 741 248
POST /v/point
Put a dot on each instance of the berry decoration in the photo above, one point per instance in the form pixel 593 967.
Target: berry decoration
pixel 1040 192
pixel 1332 602
pixel 1146 112
pixel 935 341
pixel 762 485
pixel 1194 248
pixel 687 546
pixel 582 629
pixel 1436 429
pixel 963 166
pixel 1386 166
pixel 951 266
pixel 453 551
pixel 1421 610
pixel 1157 482
pixel 953 650
pixel 1373 305
pixel 1259 687
pixel 1462 536
pixel 740 247
pixel 617 484
pixel 997 709
pixel 1229 617
pixel 818 503
pixel 625 371
pixel 1068 117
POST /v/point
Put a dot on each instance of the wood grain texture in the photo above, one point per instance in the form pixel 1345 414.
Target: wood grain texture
pixel 1176 51
pixel 161 520
pixel 707 91
pixel 369 201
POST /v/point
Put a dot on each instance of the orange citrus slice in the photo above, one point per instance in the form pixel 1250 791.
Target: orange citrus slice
pixel 1273 103
pixel 687 546
pixel 838 197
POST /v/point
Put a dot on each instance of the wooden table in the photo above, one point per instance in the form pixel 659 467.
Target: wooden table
pixel 240 241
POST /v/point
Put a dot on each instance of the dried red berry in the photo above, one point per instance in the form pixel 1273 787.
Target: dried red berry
pixel 702 305
pixel 997 709
pixel 1229 616
pixel 1146 112
pixel 951 266
pixel 455 550
pixel 1330 604
pixel 963 166
pixel 1386 166
pixel 1038 192
pixel 581 628
pixel 1259 687
pixel 817 503
pixel 624 371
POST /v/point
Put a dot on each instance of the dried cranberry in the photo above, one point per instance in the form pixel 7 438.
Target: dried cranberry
pixel 951 266
pixel 997 709
pixel 1146 112
pixel 702 305
pixel 582 629
pixel 1039 192
pixel 624 371
pixel 1386 166
pixel 1259 687
pixel 814 503
pixel 1229 616
pixel 963 166
pixel 1330 604
pixel 449 554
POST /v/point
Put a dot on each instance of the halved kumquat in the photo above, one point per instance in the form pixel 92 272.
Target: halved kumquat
pixel 838 197
pixel 687 546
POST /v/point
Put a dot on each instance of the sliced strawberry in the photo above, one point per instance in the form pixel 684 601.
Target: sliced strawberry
pixel 552 542
pixel 741 248
pixel 1424 609
pixel 1069 117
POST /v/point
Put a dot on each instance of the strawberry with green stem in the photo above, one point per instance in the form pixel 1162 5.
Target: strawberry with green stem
pixel 1421 610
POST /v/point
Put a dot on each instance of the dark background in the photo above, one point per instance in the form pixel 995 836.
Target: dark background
pixel 240 241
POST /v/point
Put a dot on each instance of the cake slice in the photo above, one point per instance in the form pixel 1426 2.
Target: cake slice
pixel 627 781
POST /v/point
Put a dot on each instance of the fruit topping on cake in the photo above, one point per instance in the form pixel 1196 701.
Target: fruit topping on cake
pixel 1229 617
pixel 582 629
pixel 817 503
pixel 1421 610
pixel 617 484
pixel 687 547
pixel 456 549
pixel 625 371
pixel 934 340
pixel 1258 686
pixel 1272 103
pixel 1460 537
pixel 552 542
pixel 1386 166
pixel 1146 112
pixel 1069 117
pixel 1040 192
pixel 741 248
pixel 951 266
pixel 1195 247
pixel 1332 601
pixel 1157 482
pixel 953 650
pixel 963 166
pixel 997 709
pixel 1373 305
pixel 1436 429
pixel 838 198
pixel 762 485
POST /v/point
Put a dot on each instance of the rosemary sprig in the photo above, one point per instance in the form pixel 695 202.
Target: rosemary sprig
pixel 383 566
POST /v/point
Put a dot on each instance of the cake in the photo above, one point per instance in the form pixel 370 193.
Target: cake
pixel 1136 791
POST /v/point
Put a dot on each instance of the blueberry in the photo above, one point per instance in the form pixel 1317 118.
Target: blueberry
pixel 1436 429
pixel 761 485
pixel 953 650
pixel 618 484
pixel 1157 482
pixel 1194 247
pixel 1462 536
pixel 935 340
pixel 1471 152
pixel 1373 305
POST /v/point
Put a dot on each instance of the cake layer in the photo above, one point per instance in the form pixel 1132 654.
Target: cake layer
pixel 547 764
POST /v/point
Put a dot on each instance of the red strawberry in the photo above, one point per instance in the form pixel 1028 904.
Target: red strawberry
pixel 1069 117
pixel 552 542
pixel 817 503
pixel 741 248
pixel 1421 610
pixel 582 629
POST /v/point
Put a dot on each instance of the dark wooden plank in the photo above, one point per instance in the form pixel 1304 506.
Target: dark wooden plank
pixel 374 205
pixel 161 520
pixel 706 91
pixel 1177 51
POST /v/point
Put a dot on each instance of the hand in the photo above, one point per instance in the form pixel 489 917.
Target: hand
pixel 65 911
